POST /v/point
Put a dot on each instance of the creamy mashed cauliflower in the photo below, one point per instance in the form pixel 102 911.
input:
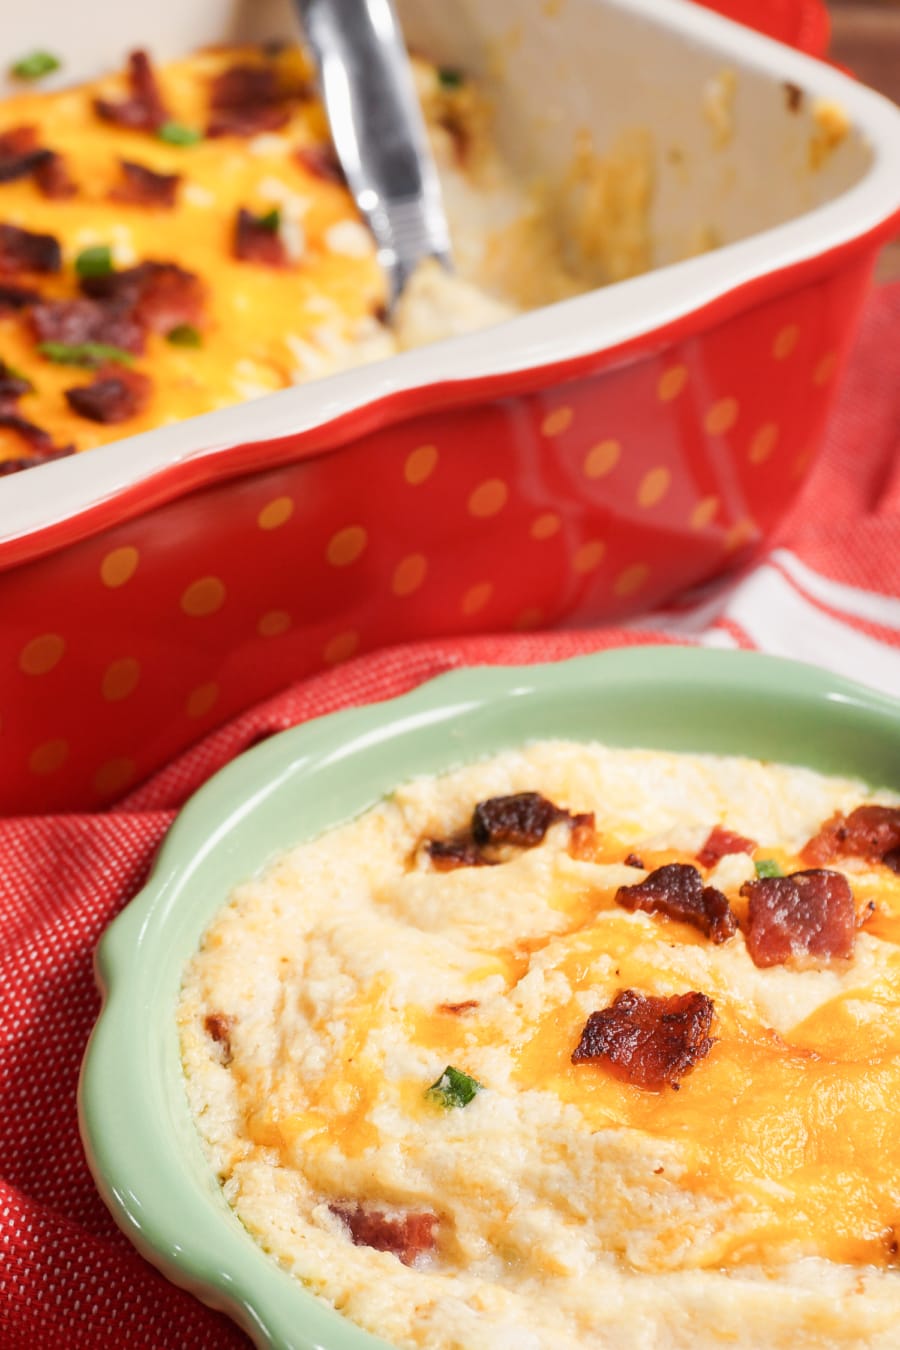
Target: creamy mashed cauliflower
pixel 378 1036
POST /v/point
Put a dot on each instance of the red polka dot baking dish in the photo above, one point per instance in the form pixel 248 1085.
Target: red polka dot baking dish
pixel 577 463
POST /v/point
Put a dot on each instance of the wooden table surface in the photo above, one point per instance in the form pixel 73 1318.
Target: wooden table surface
pixel 865 35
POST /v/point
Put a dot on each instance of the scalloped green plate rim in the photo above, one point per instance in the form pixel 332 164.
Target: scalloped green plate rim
pixel 140 1141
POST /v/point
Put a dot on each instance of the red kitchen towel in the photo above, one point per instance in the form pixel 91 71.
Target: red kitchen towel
pixel 828 591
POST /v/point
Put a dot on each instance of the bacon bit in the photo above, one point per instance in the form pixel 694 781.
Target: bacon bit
pixel 407 1236
pixel 78 321
pixel 320 161
pixel 806 918
pixel 523 818
pixel 892 859
pixel 52 177
pixel 258 242
pixel 218 1027
pixel 448 854
pixel 20 153
pixel 583 836
pixel 648 1041
pixel 114 396
pixel 144 110
pixel 677 891
pixel 458 1008
pixel 246 100
pixel 720 842
pixel 18 464
pixel 141 186
pixel 12 387
pixel 158 295
pixel 870 832
pixel 634 860
pixel 17 297
pixel 22 251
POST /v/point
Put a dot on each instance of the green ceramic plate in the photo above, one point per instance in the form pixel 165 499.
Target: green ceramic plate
pixel 137 1131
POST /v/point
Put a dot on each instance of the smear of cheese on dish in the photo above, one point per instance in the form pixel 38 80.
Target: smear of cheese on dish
pixel 756 1204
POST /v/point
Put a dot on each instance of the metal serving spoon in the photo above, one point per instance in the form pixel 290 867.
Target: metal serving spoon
pixel 378 130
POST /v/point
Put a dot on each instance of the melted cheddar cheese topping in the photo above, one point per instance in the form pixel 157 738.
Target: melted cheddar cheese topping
pixel 765 1179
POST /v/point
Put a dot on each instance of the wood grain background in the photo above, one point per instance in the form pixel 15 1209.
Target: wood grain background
pixel 865 35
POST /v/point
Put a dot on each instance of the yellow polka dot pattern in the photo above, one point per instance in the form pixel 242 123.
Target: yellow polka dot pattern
pixel 273 623
pixel 346 546
pixel 48 757
pixel 671 383
pixel 545 526
pixel 601 459
pixel 202 700
pixel 275 513
pixel 119 566
pixel 704 513
pixel 785 341
pixel 631 579
pixel 409 574
pixel 340 648
pixel 113 776
pixel 488 498
pixel 557 421
pixel 763 443
pixel 41 654
pixel 721 416
pixel 476 598
pixel 204 596
pixel 589 556
pixel 420 464
pixel 120 679
pixel 653 486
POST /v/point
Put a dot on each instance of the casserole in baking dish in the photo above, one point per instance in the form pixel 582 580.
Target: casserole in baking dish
pixel 605 453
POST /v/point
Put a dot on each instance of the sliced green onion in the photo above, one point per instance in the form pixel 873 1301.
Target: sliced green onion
pixel 450 78
pixel 176 133
pixel 768 867
pixel 95 261
pixel 184 335
pixel 84 353
pixel 454 1088
pixel 35 65
pixel 270 221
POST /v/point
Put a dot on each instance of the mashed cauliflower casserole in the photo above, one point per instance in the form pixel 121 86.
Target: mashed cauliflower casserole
pixel 571 1047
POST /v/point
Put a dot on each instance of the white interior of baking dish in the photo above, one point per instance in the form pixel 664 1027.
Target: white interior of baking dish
pixel 731 156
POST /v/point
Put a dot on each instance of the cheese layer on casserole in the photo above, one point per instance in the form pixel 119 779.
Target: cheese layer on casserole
pixel 264 327
pixel 755 1205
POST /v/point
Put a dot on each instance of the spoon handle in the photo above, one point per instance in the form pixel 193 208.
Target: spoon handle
pixel 378 130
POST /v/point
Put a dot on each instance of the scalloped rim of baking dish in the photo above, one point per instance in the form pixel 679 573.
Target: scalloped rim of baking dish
pixel 140 1140
pixel 72 498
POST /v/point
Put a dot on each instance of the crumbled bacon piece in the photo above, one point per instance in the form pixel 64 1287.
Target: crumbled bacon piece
pixel 17 465
pixel 114 396
pixel 157 295
pixel 448 854
pixel 407 1236
pixel 634 860
pixel 869 832
pixel 523 819
pixel 720 842
pixel 76 321
pixel 141 186
pixel 35 436
pixel 12 387
pixel 20 153
pixel 320 161
pixel 144 109
pixel 218 1027
pixel 677 890
pixel 648 1041
pixel 17 297
pixel 23 251
pixel 53 179
pixel 256 241
pixel 245 101
pixel 583 836
pixel 806 918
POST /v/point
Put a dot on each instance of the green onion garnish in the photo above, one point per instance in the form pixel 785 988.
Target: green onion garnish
pixel 184 335
pixel 176 133
pixel 768 867
pixel 35 65
pixel 95 261
pixel 454 1088
pixel 270 221
pixel 450 78
pixel 84 353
